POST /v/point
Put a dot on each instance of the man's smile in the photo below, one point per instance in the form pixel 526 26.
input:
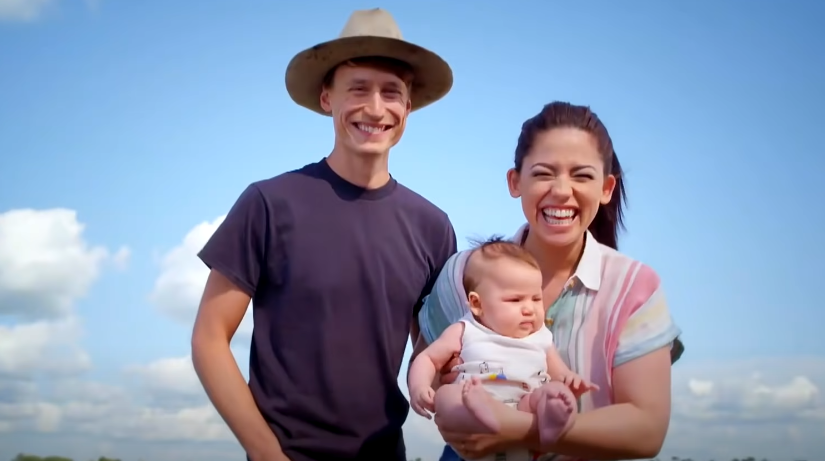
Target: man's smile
pixel 371 128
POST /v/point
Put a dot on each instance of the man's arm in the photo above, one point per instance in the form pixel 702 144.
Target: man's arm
pixel 236 254
pixel 448 246
pixel 432 359
pixel 221 309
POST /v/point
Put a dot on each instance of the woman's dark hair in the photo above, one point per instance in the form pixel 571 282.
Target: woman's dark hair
pixel 609 218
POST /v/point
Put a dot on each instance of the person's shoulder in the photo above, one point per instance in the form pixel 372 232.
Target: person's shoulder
pixel 618 265
pixel 414 202
pixel 632 280
pixel 422 212
pixel 307 174
pixel 289 183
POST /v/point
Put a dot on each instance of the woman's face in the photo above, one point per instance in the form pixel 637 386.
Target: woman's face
pixel 561 185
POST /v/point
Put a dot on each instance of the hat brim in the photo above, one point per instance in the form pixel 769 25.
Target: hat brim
pixel 306 71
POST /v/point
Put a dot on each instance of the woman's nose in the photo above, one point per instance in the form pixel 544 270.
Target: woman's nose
pixel 561 188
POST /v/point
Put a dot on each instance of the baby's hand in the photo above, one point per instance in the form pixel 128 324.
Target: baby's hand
pixel 422 401
pixel 578 385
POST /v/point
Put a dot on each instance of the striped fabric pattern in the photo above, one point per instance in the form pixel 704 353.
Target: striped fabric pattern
pixel 611 311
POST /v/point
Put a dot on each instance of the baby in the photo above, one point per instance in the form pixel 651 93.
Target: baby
pixel 508 354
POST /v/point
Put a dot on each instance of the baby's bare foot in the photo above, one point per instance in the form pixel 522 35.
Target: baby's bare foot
pixel 480 404
pixel 555 415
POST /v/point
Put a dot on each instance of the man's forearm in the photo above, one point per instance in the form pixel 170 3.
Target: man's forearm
pixel 226 388
pixel 422 372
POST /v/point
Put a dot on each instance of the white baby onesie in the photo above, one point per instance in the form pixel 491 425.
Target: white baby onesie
pixel 508 367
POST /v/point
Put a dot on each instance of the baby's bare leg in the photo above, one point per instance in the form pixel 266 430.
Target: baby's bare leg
pixel 554 405
pixel 466 407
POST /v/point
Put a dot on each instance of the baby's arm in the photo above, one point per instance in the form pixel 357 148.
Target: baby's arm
pixel 428 363
pixel 559 371
pixel 556 367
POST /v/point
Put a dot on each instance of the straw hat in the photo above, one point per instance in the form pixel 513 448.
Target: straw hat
pixel 367 33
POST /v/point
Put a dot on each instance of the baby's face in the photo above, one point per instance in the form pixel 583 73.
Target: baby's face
pixel 508 298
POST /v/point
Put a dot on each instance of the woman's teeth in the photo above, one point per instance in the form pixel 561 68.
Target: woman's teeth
pixel 558 217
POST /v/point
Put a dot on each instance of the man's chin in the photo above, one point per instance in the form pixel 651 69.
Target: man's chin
pixel 372 149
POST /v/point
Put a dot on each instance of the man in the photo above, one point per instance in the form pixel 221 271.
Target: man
pixel 336 256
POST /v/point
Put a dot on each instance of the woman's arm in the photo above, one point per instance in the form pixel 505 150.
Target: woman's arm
pixel 634 427
pixel 635 424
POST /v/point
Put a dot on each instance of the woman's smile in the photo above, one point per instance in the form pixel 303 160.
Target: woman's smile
pixel 559 216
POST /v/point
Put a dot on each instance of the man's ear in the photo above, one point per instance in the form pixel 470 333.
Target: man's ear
pixel 324 99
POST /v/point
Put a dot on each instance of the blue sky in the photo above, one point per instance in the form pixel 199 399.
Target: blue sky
pixel 149 118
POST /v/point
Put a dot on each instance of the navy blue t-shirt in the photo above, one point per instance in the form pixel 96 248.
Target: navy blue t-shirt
pixel 335 272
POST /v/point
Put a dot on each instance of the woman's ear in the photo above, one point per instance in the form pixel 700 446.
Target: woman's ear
pixel 513 179
pixel 475 303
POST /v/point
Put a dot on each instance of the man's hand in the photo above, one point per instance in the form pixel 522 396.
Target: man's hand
pixel 422 401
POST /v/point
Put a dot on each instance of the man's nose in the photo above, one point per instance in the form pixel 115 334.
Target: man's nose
pixel 374 108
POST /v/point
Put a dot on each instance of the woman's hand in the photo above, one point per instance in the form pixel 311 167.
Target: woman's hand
pixel 475 446
pixel 447 375
pixel 469 446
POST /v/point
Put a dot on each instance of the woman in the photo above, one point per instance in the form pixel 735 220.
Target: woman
pixel 607 312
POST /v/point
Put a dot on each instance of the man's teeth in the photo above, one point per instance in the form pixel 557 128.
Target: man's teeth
pixel 558 216
pixel 370 128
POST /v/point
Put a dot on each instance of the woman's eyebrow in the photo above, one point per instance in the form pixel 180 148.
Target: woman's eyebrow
pixel 574 169
pixel 583 167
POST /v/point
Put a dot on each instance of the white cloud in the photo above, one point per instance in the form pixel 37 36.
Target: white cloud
pixel 767 408
pixel 44 347
pixel 23 10
pixel 748 396
pixel 45 264
pixel 174 375
pixel 121 258
pixel 45 267
pixel 158 410
pixel 183 275
pixel 115 415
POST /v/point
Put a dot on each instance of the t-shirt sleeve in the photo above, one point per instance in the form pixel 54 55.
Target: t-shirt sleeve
pixel 445 246
pixel 237 249
pixel 446 303
pixel 650 327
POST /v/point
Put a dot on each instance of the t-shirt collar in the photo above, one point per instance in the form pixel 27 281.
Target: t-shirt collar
pixel 589 270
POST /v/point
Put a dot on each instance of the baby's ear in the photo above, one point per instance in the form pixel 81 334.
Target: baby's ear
pixel 475 303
